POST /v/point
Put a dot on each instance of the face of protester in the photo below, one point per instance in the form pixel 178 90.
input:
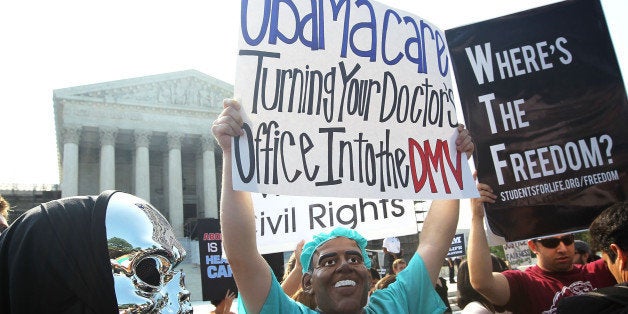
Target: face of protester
pixel 554 253
pixel 339 280
pixel 619 268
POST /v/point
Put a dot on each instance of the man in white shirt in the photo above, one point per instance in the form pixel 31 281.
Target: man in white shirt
pixel 392 251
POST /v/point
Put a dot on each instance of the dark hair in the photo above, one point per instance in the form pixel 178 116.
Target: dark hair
pixel 610 226
pixel 375 274
pixel 466 293
pixel 499 265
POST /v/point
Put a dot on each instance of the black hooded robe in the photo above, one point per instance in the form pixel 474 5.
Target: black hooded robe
pixel 54 259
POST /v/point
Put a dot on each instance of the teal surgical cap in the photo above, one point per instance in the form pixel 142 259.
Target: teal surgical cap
pixel 310 247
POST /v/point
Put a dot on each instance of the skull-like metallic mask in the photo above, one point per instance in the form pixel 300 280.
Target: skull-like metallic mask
pixel 144 252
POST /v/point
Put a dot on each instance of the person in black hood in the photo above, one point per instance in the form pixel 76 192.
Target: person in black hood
pixel 74 255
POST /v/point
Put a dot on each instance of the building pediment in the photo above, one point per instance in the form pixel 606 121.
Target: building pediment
pixel 189 89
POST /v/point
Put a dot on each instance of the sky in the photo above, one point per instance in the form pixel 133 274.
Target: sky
pixel 48 45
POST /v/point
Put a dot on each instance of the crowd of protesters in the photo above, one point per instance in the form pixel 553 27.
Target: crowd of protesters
pixel 332 273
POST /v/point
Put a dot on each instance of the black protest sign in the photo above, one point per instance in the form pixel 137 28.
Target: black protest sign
pixel 216 275
pixel 542 94
pixel 457 246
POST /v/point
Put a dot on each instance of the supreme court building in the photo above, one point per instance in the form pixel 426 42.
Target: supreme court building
pixel 148 136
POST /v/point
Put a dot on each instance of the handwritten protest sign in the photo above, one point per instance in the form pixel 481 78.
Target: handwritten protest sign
pixel 517 254
pixel 283 221
pixel 345 99
pixel 543 96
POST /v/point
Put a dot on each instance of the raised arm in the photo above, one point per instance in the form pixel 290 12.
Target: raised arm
pixel 441 221
pixel 292 283
pixel 237 219
pixel 493 286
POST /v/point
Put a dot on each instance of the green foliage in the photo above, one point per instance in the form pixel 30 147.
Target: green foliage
pixel 498 250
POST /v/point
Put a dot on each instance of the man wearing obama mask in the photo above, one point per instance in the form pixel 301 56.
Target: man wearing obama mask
pixel 335 264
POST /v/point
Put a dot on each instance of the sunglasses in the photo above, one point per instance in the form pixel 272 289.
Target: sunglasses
pixel 551 243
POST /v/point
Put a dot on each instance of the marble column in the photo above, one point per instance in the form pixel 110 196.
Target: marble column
pixel 175 183
pixel 108 158
pixel 142 164
pixel 210 197
pixel 198 181
pixel 69 175
pixel 165 182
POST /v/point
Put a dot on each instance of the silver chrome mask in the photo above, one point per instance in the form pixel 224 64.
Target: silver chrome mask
pixel 144 251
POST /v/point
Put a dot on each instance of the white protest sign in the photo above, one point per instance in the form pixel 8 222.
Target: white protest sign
pixel 283 221
pixel 518 253
pixel 345 99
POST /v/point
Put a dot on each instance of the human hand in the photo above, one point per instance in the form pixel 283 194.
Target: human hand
pixel 464 142
pixel 228 124
pixel 228 300
pixel 297 253
pixel 486 196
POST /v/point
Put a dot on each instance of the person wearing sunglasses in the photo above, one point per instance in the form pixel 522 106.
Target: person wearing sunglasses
pixel 539 288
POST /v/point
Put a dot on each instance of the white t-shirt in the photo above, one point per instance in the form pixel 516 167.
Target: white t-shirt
pixel 392 245
pixel 476 307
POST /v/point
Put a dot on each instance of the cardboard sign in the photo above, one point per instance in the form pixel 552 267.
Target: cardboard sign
pixel 518 254
pixel 542 94
pixel 348 99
